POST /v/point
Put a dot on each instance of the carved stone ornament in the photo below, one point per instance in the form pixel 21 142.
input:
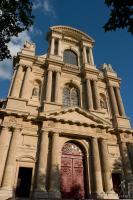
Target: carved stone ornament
pixel 107 67
pixel 29 45
pixel 51 124
pixel 70 148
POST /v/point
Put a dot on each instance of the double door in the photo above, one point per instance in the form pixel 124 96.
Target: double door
pixel 72 176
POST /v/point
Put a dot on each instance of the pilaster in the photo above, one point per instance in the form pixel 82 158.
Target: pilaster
pixel 40 191
pixel 15 90
pixel 54 190
pixel 97 169
pixel 49 86
pixel 9 172
pixel 57 86
pixel 25 85
pixel 113 101
pixel 89 94
pixel 106 171
pixel 119 102
pixel 4 146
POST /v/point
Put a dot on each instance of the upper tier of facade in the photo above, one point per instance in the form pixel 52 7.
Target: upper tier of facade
pixel 66 76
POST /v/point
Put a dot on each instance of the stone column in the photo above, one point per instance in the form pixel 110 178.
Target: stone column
pixel 42 165
pixel 97 167
pixel 119 101
pixel 113 101
pixel 9 173
pixel 130 150
pixel 106 171
pixel 25 86
pixel 89 94
pixel 55 159
pixel 84 54
pixel 97 99
pixel 52 46
pixel 59 47
pixel 4 145
pixel 126 162
pixel 57 87
pixel 17 82
pixel 91 56
pixel 49 86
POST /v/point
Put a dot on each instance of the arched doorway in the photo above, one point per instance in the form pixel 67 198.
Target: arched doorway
pixel 72 171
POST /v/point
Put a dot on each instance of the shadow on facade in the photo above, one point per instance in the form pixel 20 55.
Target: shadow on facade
pixel 121 176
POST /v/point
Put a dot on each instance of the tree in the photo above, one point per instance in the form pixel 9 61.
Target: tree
pixel 15 17
pixel 121 15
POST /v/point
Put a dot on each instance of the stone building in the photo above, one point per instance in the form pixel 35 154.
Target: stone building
pixel 64 132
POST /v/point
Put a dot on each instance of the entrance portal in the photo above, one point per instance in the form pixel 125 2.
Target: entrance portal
pixel 24 182
pixel 116 178
pixel 72 172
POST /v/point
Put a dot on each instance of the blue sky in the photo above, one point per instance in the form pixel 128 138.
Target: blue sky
pixel 88 16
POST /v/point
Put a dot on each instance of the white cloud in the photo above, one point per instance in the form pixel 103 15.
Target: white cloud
pixel 14 46
pixel 45 5
pixel 37 4
pixel 35 30
pixel 6 69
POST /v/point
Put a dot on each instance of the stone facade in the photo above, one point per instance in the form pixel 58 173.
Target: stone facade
pixel 40 116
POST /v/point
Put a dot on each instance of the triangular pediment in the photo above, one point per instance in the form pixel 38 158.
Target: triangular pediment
pixel 77 116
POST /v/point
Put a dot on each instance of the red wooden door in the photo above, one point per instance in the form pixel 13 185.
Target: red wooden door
pixel 72 172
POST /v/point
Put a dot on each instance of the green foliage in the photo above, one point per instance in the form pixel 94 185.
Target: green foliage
pixel 121 15
pixel 15 17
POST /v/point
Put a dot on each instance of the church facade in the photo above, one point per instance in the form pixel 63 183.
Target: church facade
pixel 63 128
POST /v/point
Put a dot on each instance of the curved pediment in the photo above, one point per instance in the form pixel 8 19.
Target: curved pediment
pixel 72 32
pixel 77 115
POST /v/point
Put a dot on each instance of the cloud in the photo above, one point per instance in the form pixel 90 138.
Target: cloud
pixel 37 4
pixel 6 70
pixel 45 5
pixel 14 46
pixel 35 30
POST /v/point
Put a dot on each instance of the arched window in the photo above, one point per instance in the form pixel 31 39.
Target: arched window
pixel 70 57
pixel 103 103
pixel 70 97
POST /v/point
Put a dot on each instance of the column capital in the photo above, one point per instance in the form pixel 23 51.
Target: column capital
pixel 50 70
pixel 55 134
pixel 28 67
pixel 103 139
pixel 4 127
pixel 16 129
pixel 19 66
pixel 43 131
pixel 58 71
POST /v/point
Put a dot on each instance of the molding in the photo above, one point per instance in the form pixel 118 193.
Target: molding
pixel 74 31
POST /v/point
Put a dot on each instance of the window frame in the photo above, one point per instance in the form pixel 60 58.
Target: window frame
pixel 67 57
pixel 72 100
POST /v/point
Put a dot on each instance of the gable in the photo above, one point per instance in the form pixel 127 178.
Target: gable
pixel 77 115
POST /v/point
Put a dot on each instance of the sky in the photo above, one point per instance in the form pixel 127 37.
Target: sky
pixel 88 16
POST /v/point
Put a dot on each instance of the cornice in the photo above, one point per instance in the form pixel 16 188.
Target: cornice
pixel 53 61
pixel 120 130
pixel 10 112
pixel 73 31
pixel 29 57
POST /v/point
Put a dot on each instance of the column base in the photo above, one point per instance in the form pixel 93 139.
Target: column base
pixel 112 195
pixel 54 194
pixel 6 193
pixel 40 195
pixel 109 195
